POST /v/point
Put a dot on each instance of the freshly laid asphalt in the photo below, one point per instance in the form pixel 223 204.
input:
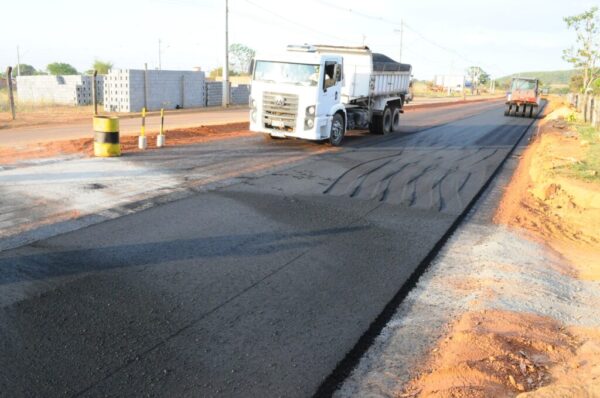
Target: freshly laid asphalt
pixel 256 289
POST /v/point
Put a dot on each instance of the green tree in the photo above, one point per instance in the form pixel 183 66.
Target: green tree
pixel 102 66
pixel 240 57
pixel 576 83
pixel 484 78
pixel 59 68
pixel 26 70
pixel 584 54
pixel 477 76
pixel 218 72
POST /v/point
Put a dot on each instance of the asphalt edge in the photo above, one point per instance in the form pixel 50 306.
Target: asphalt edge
pixel 345 367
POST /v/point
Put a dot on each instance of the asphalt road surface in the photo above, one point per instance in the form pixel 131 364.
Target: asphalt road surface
pixel 256 289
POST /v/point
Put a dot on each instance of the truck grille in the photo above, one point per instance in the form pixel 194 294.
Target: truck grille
pixel 280 110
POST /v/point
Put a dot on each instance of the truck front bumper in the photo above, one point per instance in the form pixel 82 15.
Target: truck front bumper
pixel 319 131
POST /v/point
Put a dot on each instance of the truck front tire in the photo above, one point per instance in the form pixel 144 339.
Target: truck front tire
pixel 336 135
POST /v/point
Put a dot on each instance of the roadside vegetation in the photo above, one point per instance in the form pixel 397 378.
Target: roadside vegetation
pixel 588 168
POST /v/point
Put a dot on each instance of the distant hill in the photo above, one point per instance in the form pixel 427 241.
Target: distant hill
pixel 548 78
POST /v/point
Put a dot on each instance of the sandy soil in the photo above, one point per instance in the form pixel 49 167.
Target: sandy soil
pixel 563 212
pixel 514 352
pixel 38 115
pixel 494 354
pixel 84 147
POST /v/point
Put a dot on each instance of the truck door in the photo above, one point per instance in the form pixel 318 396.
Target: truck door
pixel 331 87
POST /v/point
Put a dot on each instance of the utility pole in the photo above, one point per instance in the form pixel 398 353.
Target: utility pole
pixel 18 62
pixel 145 85
pixel 226 65
pixel 401 31
pixel 11 98
pixel 159 55
pixel 401 38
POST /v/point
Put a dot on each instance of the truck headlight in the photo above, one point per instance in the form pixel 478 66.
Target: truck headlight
pixel 252 103
pixel 253 115
pixel 309 123
pixel 310 111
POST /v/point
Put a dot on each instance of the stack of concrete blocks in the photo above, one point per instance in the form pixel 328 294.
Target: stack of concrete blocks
pixel 125 90
pixel 214 93
pixel 84 91
pixel 65 90
pixel 238 95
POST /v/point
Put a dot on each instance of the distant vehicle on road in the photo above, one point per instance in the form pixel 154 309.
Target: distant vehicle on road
pixel 523 99
pixel 320 92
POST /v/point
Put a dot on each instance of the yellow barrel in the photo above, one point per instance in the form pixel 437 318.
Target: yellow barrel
pixel 106 136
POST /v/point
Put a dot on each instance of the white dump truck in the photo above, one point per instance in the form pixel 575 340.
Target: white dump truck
pixel 318 92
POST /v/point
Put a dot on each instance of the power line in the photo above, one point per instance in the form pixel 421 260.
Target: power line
pixel 359 13
pixel 292 21
pixel 402 23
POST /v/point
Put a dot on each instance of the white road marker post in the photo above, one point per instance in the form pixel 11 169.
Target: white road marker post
pixel 160 138
pixel 142 140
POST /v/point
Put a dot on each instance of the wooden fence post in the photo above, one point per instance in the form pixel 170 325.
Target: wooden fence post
pixel 11 98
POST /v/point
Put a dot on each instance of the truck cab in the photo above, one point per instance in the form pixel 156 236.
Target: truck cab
pixel 296 96
pixel 319 92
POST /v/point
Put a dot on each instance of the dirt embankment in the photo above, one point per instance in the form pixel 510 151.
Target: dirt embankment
pixel 129 144
pixel 508 353
pixel 555 207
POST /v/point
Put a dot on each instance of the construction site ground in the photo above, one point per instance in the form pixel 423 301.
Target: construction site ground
pixel 511 305
pixel 228 265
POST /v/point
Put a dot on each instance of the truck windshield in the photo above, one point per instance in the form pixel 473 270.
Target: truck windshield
pixel 523 85
pixel 281 72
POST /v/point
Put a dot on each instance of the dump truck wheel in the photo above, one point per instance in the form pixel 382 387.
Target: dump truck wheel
pixel 516 110
pixel 524 113
pixel 336 135
pixel 376 127
pixel 387 120
pixel 507 110
pixel 395 119
pixel 531 111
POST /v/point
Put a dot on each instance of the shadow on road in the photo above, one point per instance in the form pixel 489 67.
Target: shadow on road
pixel 49 263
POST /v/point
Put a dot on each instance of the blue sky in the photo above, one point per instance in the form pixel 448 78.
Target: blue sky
pixel 440 36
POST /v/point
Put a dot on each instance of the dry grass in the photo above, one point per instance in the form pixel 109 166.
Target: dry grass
pixel 39 113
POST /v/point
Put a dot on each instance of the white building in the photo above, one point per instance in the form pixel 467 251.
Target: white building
pixel 450 82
